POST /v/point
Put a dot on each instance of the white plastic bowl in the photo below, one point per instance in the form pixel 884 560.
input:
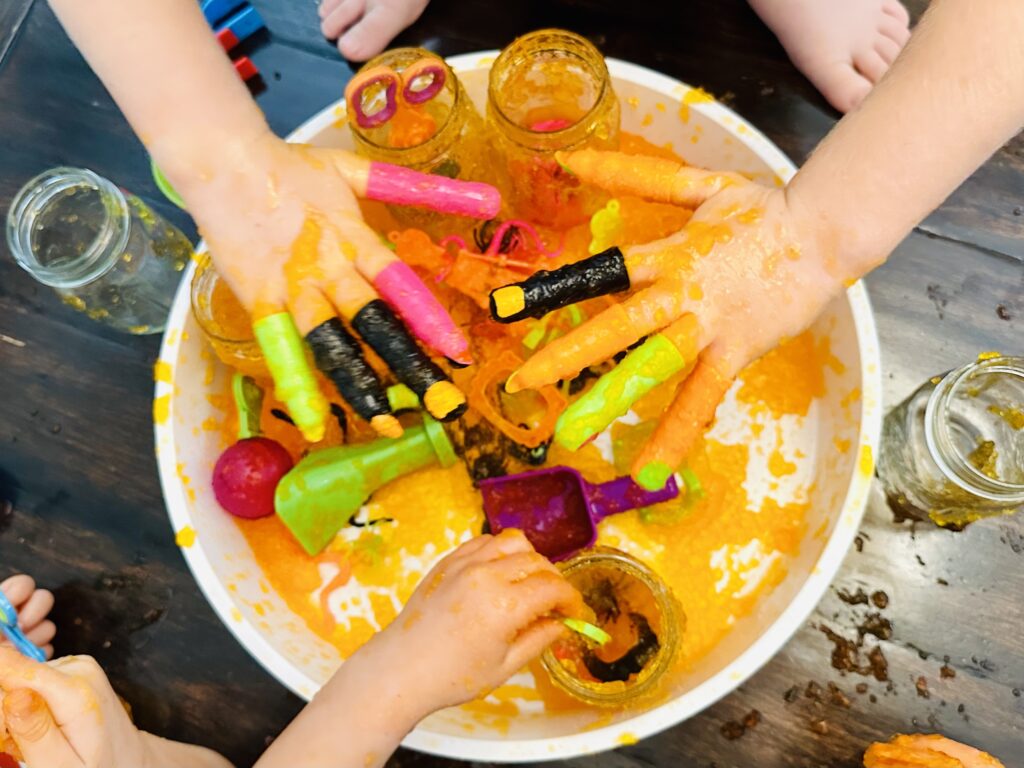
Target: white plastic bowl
pixel 706 134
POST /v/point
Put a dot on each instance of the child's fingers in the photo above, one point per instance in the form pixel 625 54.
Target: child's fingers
pixel 509 542
pixel 692 410
pixel 599 339
pixel 35 609
pixel 543 292
pixel 517 567
pixel 644 368
pixel 18 589
pixel 66 698
pixel 654 178
pixel 34 730
pixel 42 633
pixel 542 594
pixel 531 643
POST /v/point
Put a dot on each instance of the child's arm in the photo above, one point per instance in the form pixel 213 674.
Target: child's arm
pixel 755 265
pixel 33 607
pixel 66 714
pixel 477 618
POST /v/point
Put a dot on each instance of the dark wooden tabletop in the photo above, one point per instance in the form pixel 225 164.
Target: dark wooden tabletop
pixel 82 509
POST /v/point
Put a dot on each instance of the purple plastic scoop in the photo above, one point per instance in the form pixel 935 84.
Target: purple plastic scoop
pixel 558 510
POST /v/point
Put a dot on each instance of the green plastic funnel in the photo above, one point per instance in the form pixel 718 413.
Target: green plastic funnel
pixel 322 492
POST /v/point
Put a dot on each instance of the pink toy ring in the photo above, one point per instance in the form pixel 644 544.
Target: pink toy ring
pixel 357 87
pixel 424 68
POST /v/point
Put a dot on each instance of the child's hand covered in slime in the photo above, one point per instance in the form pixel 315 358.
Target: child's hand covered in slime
pixel 64 714
pixel 478 617
pixel 746 271
pixel 285 230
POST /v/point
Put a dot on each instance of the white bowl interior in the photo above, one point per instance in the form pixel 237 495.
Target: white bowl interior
pixel 706 134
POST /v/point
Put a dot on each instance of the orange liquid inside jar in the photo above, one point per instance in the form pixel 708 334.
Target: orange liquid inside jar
pixel 549 91
pixel 225 323
pixel 630 602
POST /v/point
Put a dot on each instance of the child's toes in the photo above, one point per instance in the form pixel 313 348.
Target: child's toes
pixel 18 589
pixel 894 30
pixel 371 35
pixel 42 634
pixel 870 64
pixel 326 6
pixel 843 86
pixel 344 14
pixel 35 609
pixel 887 48
pixel 896 9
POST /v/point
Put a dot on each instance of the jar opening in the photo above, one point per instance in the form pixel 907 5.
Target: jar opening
pixel 67 227
pixel 547 86
pixel 217 310
pixel 974 426
pixel 414 114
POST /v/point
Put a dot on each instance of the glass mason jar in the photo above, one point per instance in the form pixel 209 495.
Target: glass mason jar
pixel 618 588
pixel 953 451
pixel 225 324
pixel 101 248
pixel 443 134
pixel 549 91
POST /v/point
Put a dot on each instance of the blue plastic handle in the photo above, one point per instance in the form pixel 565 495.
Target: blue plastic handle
pixel 9 625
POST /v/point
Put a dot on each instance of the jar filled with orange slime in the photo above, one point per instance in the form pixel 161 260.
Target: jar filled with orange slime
pixel 407 107
pixel 549 91
pixel 225 323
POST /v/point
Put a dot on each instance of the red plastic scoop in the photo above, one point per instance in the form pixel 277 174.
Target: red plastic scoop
pixel 558 510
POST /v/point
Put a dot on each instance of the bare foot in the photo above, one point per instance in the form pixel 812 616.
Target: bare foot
pixel 363 28
pixel 33 606
pixel 842 46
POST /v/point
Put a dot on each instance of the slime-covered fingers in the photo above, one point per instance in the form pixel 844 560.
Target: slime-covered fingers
pixel 615 329
pixel 544 291
pixel 655 178
pixel 381 329
pixel 295 384
pixel 691 411
pixel 404 291
pixel 396 185
pixel 655 361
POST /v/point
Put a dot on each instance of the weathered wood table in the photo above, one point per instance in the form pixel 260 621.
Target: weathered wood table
pixel 81 505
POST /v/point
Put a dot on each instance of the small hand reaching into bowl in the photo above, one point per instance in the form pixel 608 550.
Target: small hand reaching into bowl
pixel 747 270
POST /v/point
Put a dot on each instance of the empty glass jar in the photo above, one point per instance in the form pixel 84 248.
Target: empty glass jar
pixel 101 248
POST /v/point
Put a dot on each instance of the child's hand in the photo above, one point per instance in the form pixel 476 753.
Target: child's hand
pixel 65 715
pixel 33 606
pixel 477 618
pixel 364 28
pixel 745 272
pixel 285 231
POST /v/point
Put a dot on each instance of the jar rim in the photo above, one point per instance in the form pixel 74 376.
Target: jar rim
pixel 440 135
pixel 559 136
pixel 939 440
pixel 615 558
pixel 32 199
pixel 204 272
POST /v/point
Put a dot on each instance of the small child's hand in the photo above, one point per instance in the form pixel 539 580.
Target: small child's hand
pixel 478 617
pixel 65 714
pixel 33 606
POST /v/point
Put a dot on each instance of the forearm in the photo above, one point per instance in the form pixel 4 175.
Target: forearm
pixel 165 70
pixel 952 99
pixel 356 721
pixel 164 753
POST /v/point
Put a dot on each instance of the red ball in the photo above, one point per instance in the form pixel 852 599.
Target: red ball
pixel 247 474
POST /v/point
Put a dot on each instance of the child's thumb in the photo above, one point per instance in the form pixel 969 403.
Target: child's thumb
pixel 34 731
